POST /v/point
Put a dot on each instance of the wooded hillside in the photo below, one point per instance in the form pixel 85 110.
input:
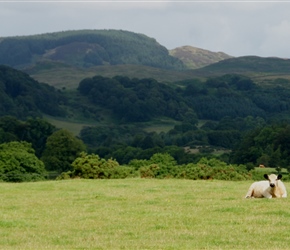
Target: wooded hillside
pixel 86 48
pixel 21 96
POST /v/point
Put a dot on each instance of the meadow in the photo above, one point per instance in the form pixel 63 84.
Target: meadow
pixel 140 214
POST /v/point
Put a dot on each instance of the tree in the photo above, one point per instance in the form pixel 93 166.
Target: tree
pixel 36 131
pixel 61 149
pixel 18 163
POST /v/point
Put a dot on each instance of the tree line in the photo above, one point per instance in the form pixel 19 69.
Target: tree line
pixel 33 148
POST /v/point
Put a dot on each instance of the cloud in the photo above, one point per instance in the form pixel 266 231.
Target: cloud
pixel 277 38
pixel 236 28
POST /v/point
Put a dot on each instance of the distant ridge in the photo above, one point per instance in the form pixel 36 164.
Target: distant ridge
pixel 86 48
pixel 195 58
pixel 249 64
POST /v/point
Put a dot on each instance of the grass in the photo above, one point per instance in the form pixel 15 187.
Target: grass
pixel 73 126
pixel 162 124
pixel 69 77
pixel 140 214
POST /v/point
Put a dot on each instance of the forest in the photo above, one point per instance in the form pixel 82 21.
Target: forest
pixel 247 122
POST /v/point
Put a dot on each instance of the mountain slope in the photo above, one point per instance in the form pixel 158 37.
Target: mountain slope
pixel 249 64
pixel 86 48
pixel 195 58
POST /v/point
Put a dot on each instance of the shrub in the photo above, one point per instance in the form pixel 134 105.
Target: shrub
pixel 18 163
pixel 194 172
pixel 159 166
pixel 213 169
pixel 149 171
pixel 91 166
pixel 137 164
pixel 159 171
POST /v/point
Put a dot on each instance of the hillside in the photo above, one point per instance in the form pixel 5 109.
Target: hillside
pixel 195 58
pixel 263 71
pixel 86 48
pixel 21 96
pixel 249 64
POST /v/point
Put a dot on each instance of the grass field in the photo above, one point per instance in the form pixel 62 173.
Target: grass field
pixel 75 126
pixel 61 75
pixel 140 214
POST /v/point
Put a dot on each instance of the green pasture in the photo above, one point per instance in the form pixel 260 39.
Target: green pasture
pixel 140 214
pixel 69 77
pixel 75 126
pixel 158 125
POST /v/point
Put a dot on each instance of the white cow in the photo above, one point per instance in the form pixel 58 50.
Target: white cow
pixel 272 188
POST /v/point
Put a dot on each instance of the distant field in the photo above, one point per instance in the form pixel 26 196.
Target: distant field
pixel 162 125
pixel 140 214
pixel 74 127
pixel 69 77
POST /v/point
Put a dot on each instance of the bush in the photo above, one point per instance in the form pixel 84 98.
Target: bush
pixel 93 167
pixel 123 172
pixel 137 164
pixel 194 172
pixel 18 163
pixel 159 171
pixel 149 171
pixel 158 166
pixel 213 169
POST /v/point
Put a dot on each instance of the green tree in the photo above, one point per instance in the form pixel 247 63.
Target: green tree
pixel 18 163
pixel 36 131
pixel 11 125
pixel 61 149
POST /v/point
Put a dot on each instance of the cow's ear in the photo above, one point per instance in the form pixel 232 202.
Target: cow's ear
pixel 266 176
pixel 279 177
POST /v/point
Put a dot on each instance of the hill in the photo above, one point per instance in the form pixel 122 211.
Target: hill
pixel 195 58
pixel 248 65
pixel 86 48
pixel 22 96
pixel 264 71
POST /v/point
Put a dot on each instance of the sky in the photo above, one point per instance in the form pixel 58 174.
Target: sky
pixel 237 28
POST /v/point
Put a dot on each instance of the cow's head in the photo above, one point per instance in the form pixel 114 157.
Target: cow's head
pixel 272 178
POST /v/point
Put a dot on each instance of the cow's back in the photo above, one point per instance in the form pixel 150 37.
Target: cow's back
pixel 258 189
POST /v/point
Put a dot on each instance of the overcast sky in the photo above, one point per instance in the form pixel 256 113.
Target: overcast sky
pixel 237 28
